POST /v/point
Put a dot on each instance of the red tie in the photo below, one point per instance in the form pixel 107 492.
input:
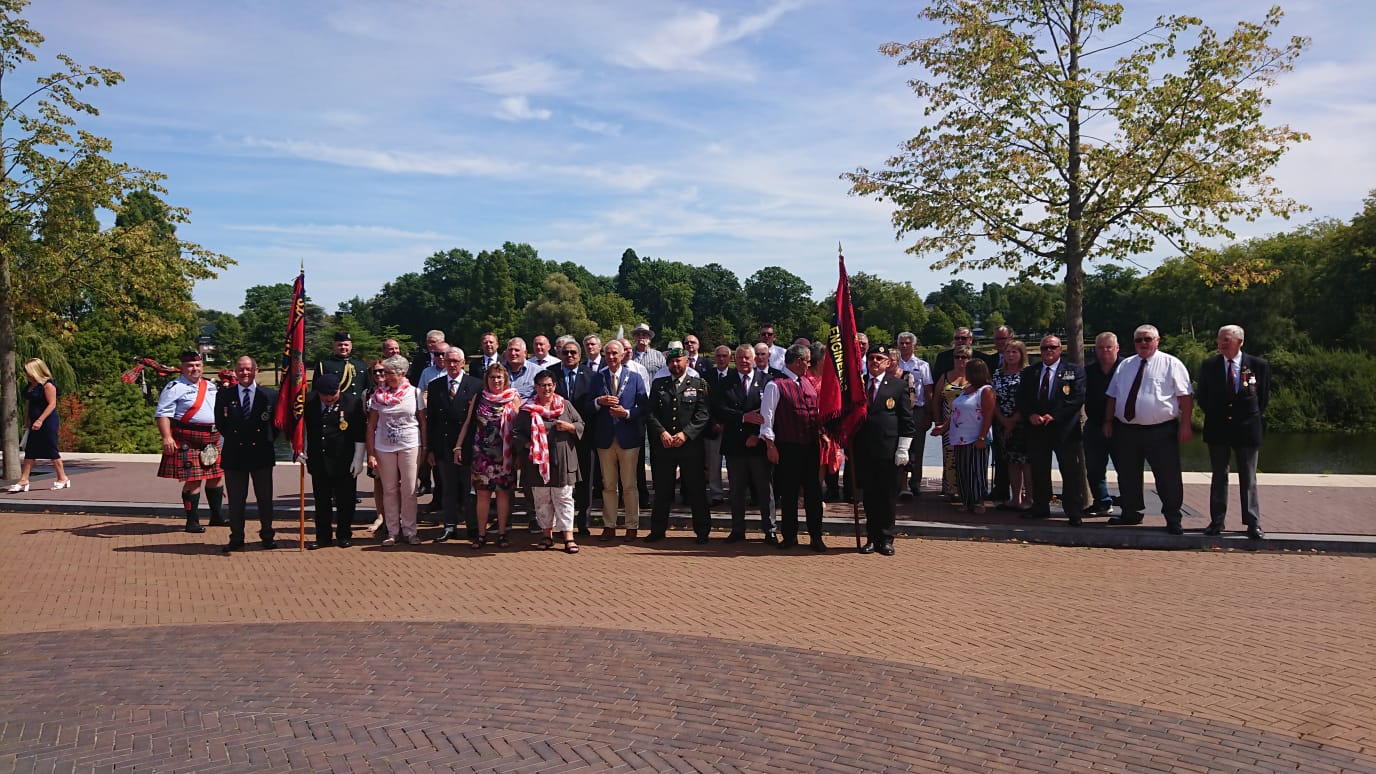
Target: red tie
pixel 1232 384
pixel 1046 384
pixel 1130 408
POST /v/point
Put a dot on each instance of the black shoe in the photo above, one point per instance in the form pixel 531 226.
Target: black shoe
pixel 427 523
pixel 787 543
pixel 449 533
pixel 232 547
pixel 1037 515
pixel 345 544
pixel 887 548
pixel 869 548
pixel 1075 521
pixel 654 537
pixel 1175 529
pixel 1099 509
pixel 315 545
pixel 718 500
pixel 771 539
pixel 219 521
pixel 906 494
pixel 701 540
pixel 1214 528
pixel 1127 521
pixel 1255 533
pixel 734 537
pixel 817 545
pixel 194 526
pixel 268 545
pixel 424 489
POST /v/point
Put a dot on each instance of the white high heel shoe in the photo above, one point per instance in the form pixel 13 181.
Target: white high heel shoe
pixel 62 485
pixel 17 488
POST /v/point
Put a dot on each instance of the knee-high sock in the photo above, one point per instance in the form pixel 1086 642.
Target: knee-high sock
pixel 190 500
pixel 214 498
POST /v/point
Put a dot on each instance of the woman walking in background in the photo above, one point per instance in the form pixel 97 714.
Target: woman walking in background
pixel 41 397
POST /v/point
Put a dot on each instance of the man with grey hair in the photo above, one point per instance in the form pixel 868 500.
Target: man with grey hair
pixel 447 400
pixel 521 370
pixel 1098 450
pixel 1233 391
pixel 921 374
pixel 1147 415
pixel 790 429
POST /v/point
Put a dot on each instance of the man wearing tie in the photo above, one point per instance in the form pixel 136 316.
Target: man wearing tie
pixel 244 415
pixel 576 383
pixel 676 418
pixel 880 448
pixel 488 345
pixel 1147 416
pixel 736 407
pixel 716 371
pixel 1049 399
pixel 1233 390
pixel 618 432
pixel 447 398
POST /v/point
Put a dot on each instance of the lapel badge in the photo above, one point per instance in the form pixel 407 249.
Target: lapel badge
pixel 888 404
pixel 1065 389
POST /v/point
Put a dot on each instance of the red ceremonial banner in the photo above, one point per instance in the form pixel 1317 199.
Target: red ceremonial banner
pixel 842 394
pixel 291 400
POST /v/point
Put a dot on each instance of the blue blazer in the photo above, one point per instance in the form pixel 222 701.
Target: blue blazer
pixel 629 433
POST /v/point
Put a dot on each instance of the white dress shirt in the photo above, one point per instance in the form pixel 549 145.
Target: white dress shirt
pixel 1164 382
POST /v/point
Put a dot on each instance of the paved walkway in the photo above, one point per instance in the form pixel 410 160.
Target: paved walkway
pixel 1334 513
pixel 127 644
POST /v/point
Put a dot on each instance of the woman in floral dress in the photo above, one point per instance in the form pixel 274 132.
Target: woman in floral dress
pixel 487 443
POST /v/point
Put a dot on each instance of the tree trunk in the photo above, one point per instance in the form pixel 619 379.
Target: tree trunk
pixel 9 395
pixel 1073 344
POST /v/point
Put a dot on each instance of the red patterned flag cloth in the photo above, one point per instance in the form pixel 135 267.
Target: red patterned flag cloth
pixel 291 401
pixel 842 393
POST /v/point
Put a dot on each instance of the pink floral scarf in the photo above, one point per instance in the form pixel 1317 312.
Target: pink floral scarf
pixel 383 397
pixel 505 401
pixel 539 439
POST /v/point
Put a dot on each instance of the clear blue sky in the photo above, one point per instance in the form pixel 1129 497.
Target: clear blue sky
pixel 364 136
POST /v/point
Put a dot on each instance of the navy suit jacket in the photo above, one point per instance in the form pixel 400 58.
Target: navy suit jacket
pixel 247 440
pixel 730 402
pixel 1233 418
pixel 1067 396
pixel 634 394
pixel 444 416
pixel 586 387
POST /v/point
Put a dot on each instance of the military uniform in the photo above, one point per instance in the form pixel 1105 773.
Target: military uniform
pixel 192 433
pixel 352 373
pixel 678 406
pixel 333 435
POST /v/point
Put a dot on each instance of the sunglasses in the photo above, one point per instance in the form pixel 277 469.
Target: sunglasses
pixel 1051 346
pixel 1144 340
pixel 569 352
pixel 378 372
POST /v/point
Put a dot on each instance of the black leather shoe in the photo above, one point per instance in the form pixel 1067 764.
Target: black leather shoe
pixel 787 543
pixel 734 537
pixel 584 532
pixel 817 545
pixel 701 540
pixel 268 545
pixel 886 549
pixel 449 533
pixel 345 544
pixel 869 548
pixel 1075 521
pixel 232 547
pixel 1175 529
pixel 1127 521
pixel 1213 529
pixel 654 537
pixel 1099 509
pixel 315 545
pixel 1255 532
pixel 771 539
pixel 219 521
pixel 194 526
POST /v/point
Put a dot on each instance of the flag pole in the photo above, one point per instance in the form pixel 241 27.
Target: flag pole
pixel 855 489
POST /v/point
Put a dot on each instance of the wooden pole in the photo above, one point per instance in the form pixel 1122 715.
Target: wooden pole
pixel 302 489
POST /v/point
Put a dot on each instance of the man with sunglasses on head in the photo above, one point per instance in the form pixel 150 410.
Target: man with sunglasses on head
pixel 1147 416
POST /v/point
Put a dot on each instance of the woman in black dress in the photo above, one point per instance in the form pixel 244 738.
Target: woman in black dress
pixel 41 397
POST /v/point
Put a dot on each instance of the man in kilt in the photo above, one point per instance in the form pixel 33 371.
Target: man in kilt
pixel 190 443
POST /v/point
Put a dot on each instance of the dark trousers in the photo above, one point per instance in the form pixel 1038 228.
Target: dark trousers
pixel 452 487
pixel 874 476
pixel 1219 456
pixel 1098 452
pixel 334 506
pixel 685 461
pixel 1158 446
pixel 236 491
pixel 1000 493
pixel 1041 444
pixel 799 464
pixel 751 473
pixel 589 475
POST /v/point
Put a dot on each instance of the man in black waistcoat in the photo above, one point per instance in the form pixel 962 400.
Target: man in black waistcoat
pixel 575 381
pixel 447 400
pixel 1233 391
pixel 1049 398
pixel 244 415
pixel 335 456
pixel 879 448
pixel 676 420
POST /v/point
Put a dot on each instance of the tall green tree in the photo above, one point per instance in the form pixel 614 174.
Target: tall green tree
pixel 1057 139
pixel 45 159
pixel 778 297
pixel 557 311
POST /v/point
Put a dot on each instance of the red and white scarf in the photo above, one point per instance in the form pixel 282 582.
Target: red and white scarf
pixel 384 397
pixel 504 401
pixel 539 439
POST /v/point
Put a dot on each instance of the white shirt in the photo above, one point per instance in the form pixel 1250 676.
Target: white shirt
pixel 637 368
pixel 1237 370
pixel 545 362
pixel 776 356
pixel 922 376
pixel 1164 380
pixel 769 403
pixel 398 427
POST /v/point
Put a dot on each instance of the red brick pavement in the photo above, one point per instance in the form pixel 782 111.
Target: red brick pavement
pixel 1276 646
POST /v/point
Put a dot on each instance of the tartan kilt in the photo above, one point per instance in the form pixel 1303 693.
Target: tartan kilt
pixel 185 463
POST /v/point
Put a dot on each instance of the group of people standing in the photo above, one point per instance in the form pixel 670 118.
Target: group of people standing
pixel 576 417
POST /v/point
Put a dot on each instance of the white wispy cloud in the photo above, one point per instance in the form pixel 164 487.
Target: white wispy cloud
pixel 519 109
pixel 341 230
pixel 682 42
pixel 527 78
pixel 597 127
